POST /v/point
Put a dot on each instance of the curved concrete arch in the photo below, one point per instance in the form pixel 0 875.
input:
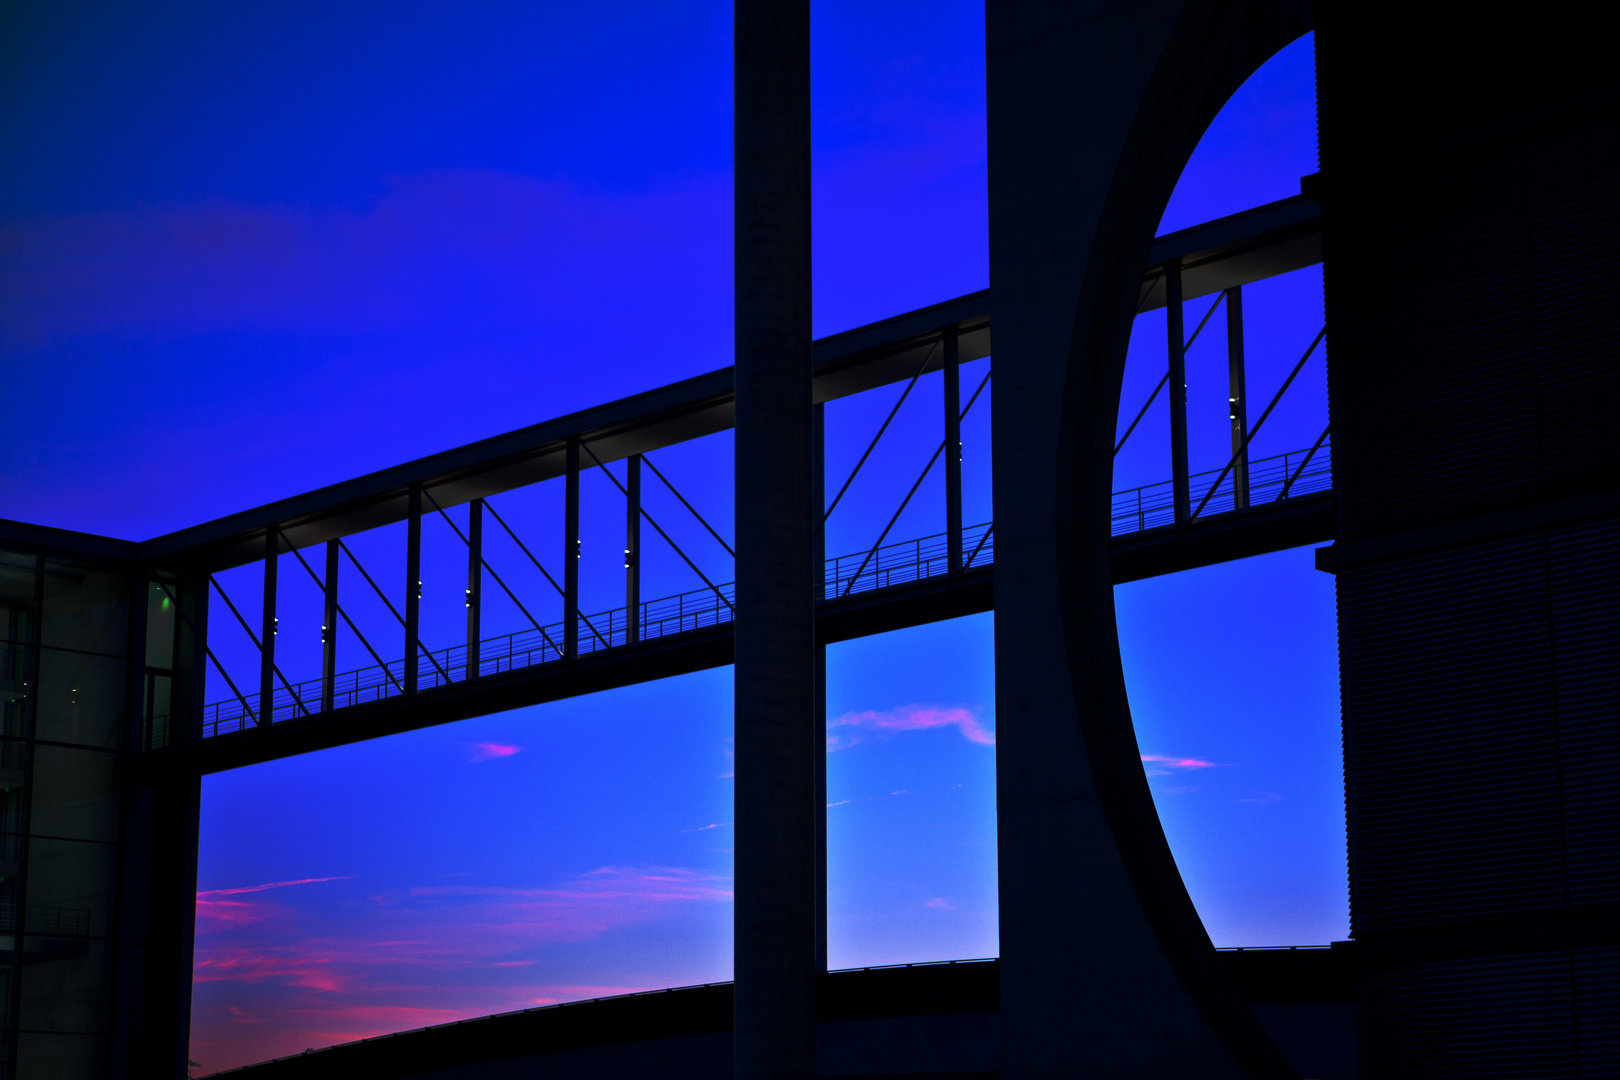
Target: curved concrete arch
pixel 1093 111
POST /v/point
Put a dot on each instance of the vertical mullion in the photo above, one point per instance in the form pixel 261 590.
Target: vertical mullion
pixel 267 631
pixel 475 583
pixel 329 620
pixel 413 588
pixel 571 552
pixel 1237 395
pixel 953 449
pixel 818 495
pixel 1175 333
pixel 632 551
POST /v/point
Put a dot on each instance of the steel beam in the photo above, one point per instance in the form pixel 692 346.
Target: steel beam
pixel 267 631
pixel 777 740
pixel 571 552
pixel 1274 527
pixel 1237 397
pixel 329 621
pixel 475 583
pixel 413 588
pixel 632 550
pixel 818 586
pixel 953 448
pixel 1245 247
pixel 1176 338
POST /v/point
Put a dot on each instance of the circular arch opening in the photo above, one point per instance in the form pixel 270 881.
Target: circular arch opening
pixel 1231 667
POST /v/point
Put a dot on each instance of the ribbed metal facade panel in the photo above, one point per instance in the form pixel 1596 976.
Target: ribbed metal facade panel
pixel 1451 749
pixel 1474 388
pixel 1508 1017
pixel 1583 576
pixel 1473 337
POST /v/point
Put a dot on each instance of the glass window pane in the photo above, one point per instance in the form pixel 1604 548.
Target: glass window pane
pixel 70 886
pixel 159 627
pixel 61 1057
pixel 84 609
pixel 75 793
pixel 16 579
pixel 81 698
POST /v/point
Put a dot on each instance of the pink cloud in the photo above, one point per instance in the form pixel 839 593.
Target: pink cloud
pixel 271 885
pixel 486 751
pixel 371 965
pixel 859 726
pixel 238 912
pixel 1168 765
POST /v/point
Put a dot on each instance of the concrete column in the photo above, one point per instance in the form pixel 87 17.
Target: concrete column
pixel 777 736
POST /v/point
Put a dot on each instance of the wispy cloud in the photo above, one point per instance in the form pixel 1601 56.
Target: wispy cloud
pixel 939 903
pixel 1261 797
pixel 213 905
pixel 1166 765
pixel 488 751
pixel 867 798
pixel 271 885
pixel 857 727
pixel 706 828
pixel 367 965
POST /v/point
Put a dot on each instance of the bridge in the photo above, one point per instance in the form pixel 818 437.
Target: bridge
pixel 1246 508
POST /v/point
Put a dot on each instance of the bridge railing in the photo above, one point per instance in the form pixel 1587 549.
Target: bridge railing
pixel 892 564
pixel 1272 479
pixel 905 562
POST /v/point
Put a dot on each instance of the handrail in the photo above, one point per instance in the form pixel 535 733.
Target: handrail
pixel 1290 475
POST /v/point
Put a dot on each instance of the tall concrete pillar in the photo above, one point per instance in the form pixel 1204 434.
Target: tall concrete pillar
pixel 1093 107
pixel 777 736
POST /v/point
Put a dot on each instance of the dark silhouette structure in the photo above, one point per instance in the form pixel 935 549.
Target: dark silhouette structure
pixel 1464 214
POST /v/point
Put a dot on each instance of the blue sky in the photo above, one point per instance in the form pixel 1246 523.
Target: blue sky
pixel 261 249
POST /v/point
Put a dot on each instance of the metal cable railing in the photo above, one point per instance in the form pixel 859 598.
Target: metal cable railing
pixel 1301 472
pixel 1290 475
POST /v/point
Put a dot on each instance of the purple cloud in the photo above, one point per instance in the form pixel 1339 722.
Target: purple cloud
pixel 857 727
pixel 295 979
pixel 486 751
pixel 1169 764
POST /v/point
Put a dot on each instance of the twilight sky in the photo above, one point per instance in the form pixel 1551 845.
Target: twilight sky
pixel 257 249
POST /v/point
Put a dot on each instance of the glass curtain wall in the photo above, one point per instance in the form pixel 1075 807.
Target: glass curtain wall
pixel 64 678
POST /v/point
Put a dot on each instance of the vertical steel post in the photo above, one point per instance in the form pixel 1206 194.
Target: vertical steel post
pixel 267 631
pixel 329 621
pixel 1236 398
pixel 475 583
pixel 413 588
pixel 953 449
pixel 632 552
pixel 777 736
pixel 571 552
pixel 1175 332
pixel 818 585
